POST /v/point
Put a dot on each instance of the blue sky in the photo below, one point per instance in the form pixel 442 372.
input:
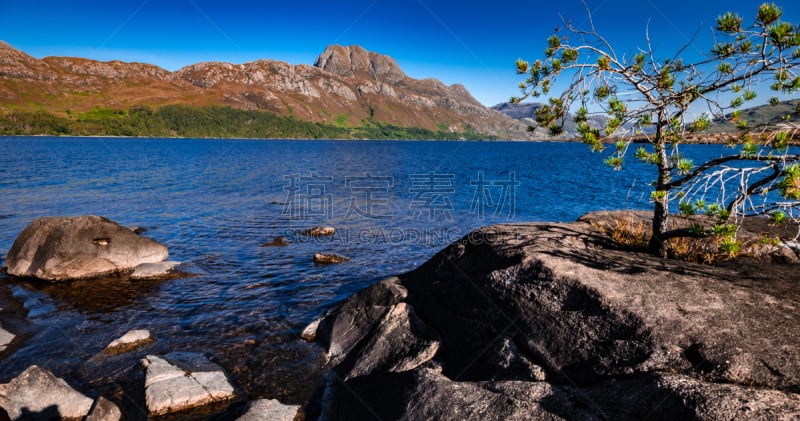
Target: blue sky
pixel 470 42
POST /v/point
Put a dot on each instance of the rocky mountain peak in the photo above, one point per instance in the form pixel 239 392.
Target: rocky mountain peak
pixel 355 61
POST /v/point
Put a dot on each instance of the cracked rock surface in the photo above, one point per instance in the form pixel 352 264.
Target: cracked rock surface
pixel 181 381
pixel 552 321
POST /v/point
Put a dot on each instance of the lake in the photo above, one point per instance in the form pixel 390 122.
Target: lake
pixel 214 203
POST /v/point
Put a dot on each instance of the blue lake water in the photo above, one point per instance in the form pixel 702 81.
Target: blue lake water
pixel 215 202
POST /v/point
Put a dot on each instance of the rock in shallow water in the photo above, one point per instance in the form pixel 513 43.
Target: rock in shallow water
pixel 276 242
pixel 156 270
pixel 192 382
pixel 329 259
pixel 319 231
pixel 129 341
pixel 104 410
pixel 38 394
pixel 269 410
pixel 6 338
pixel 65 248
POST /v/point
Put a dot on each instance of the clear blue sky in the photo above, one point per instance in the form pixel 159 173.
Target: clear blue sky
pixel 468 41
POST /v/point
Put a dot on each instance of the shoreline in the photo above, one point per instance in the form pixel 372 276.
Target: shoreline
pixel 717 139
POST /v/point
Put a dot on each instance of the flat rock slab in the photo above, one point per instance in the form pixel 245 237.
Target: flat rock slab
pixel 191 382
pixel 66 248
pixel 269 410
pixel 5 338
pixel 38 394
pixel 129 341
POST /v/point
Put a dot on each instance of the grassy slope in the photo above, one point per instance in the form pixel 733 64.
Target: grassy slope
pixel 208 121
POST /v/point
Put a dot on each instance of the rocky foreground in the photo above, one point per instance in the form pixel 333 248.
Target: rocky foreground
pixel 522 321
pixel 551 321
pixel 177 384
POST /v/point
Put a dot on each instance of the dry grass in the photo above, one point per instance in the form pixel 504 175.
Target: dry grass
pixel 629 234
pixel 634 234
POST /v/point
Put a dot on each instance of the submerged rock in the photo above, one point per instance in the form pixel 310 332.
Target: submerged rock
pixel 536 321
pixel 191 382
pixel 269 410
pixel 38 394
pixel 276 242
pixel 129 341
pixel 156 270
pixel 329 258
pixel 66 248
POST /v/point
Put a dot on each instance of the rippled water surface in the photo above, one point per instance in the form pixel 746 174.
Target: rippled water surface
pixel 215 202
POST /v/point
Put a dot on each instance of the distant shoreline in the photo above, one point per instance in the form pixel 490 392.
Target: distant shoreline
pixel 711 139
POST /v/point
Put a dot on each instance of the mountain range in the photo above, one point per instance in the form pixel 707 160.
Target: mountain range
pixel 526 113
pixel 767 114
pixel 347 87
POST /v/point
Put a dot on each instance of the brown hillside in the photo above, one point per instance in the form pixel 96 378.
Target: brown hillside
pixel 347 86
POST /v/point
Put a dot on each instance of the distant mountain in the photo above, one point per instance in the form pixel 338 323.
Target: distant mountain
pixel 759 115
pixel 755 116
pixel 526 113
pixel 346 87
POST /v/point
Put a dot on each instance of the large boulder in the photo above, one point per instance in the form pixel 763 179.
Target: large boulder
pixel 554 321
pixel 66 248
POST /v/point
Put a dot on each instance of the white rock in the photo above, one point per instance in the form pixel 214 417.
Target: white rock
pixel 269 410
pixel 319 231
pixel 169 388
pixel 5 338
pixel 309 333
pixel 37 393
pixel 131 340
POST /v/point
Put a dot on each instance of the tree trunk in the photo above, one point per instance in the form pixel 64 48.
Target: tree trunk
pixel 660 225
pixel 661 210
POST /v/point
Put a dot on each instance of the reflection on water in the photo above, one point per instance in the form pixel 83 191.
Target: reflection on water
pixel 102 295
pixel 214 203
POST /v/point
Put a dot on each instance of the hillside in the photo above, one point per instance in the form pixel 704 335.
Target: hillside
pixel 347 88
pixel 759 115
